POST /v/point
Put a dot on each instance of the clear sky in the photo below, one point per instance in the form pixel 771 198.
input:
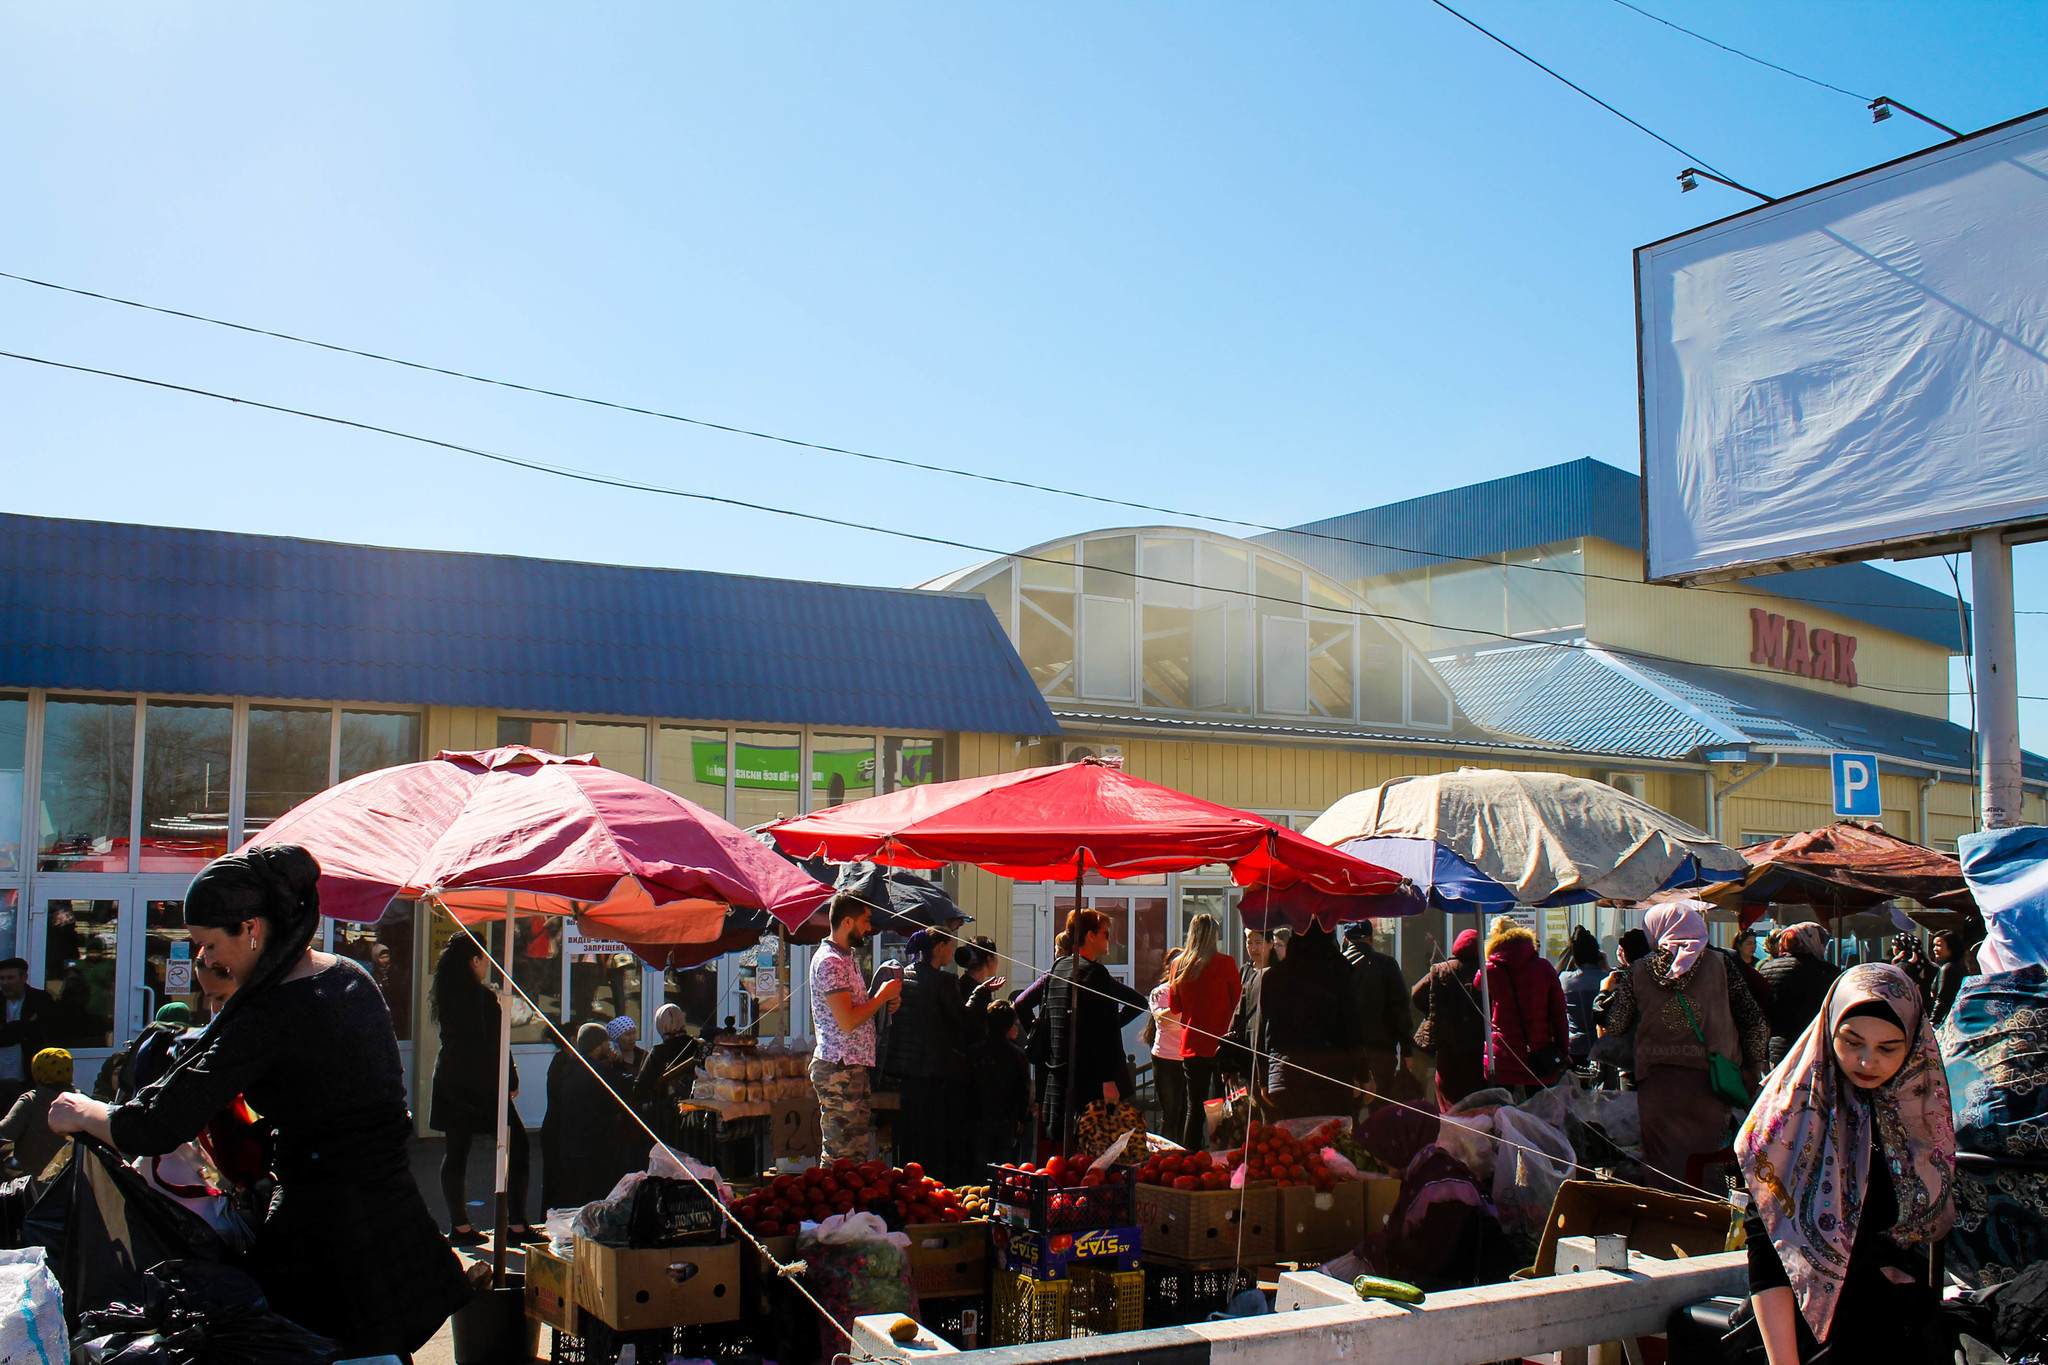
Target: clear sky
pixel 1272 261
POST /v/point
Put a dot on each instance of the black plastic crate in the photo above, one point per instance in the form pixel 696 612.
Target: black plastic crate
pixel 1040 1205
pixel 1177 1294
pixel 733 1342
pixel 949 1318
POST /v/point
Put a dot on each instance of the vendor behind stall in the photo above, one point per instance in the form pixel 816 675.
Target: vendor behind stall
pixel 348 1248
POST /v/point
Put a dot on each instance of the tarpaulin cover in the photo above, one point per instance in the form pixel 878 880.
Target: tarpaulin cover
pixel 1033 825
pixel 1856 365
pixel 1544 838
pixel 1847 866
pixel 2008 872
pixel 570 837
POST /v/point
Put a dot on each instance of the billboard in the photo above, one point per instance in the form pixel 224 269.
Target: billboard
pixel 1858 367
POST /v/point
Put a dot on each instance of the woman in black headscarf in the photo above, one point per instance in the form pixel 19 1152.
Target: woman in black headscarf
pixel 348 1248
pixel 465 1101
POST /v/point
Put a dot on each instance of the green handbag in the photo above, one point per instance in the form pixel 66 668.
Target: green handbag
pixel 1724 1077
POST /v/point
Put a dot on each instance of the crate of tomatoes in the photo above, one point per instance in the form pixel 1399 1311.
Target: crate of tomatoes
pixel 1066 1196
pixel 902 1196
pixel 1321 1200
pixel 1190 1212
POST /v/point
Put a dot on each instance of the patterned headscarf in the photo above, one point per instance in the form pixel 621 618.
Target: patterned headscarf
pixel 1808 938
pixel 1680 929
pixel 51 1066
pixel 1805 1149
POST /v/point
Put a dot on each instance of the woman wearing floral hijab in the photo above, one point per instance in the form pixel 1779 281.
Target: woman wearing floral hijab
pixel 1850 1156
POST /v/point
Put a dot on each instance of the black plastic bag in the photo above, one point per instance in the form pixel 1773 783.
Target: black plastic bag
pixel 672 1213
pixel 104 1225
pixel 198 1313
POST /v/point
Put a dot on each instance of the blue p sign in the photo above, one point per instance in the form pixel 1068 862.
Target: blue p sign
pixel 1856 792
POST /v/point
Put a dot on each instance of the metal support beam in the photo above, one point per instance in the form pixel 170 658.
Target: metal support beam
pixel 1998 686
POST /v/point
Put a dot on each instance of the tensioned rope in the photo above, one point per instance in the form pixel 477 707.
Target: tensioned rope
pixel 789 1271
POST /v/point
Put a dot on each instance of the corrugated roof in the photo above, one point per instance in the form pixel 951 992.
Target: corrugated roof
pixel 104 606
pixel 1564 502
pixel 1588 700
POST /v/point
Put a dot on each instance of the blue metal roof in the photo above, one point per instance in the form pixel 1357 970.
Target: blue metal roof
pixel 142 608
pixel 1594 701
pixel 1564 502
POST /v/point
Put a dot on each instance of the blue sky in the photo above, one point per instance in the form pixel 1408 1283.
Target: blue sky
pixel 1275 261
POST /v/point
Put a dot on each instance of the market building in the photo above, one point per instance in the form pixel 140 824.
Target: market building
pixel 1503 624
pixel 164 693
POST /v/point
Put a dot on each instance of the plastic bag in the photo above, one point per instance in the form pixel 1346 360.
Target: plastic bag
pixel 31 1310
pixel 198 1313
pixel 560 1226
pixel 609 1221
pixel 1526 1174
pixel 857 1266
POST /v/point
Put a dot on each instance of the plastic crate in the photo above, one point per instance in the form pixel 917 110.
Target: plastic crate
pixel 1034 1200
pixel 1105 1301
pixel 600 1345
pixel 950 1317
pixel 1028 1310
pixel 1177 1293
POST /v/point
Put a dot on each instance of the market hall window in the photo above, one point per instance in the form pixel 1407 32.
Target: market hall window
pixel 186 762
pixel 620 747
pixel 88 772
pixel 13 762
pixel 288 757
pixel 908 762
pixel 385 950
pixel 842 769
pixel 691 763
pixel 765 770
pixel 377 739
pixel 551 735
pixel 80 939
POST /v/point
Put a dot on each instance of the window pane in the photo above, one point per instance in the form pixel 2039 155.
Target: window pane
pixel 765 769
pixel 385 950
pixel 1430 705
pixel 1222 659
pixel 1169 656
pixel 604 980
pixel 287 760
pixel 842 769
pixel 1050 568
pixel 378 739
pixel 1107 639
pixel 88 776
pixel 695 993
pixel 1279 587
pixel 622 748
pixel 10 920
pixel 185 758
pixel 168 963
pixel 692 765
pixel 1283 665
pixel 1540 599
pixel 998 591
pixel 1466 604
pixel 908 762
pixel 1148 915
pixel 1110 565
pixel 1046 641
pixel 551 735
pixel 78 968
pixel 13 748
pixel 1329 664
pixel 1380 659
pixel 1171 558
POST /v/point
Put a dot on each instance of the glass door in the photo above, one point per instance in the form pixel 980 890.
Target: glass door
pixel 169 968
pixel 76 930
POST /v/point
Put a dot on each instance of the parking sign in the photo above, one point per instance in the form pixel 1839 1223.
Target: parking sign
pixel 1856 792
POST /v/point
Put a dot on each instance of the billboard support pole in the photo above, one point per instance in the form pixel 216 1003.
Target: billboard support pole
pixel 1998 689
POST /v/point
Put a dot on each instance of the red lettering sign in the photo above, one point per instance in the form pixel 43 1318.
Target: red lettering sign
pixel 1786 645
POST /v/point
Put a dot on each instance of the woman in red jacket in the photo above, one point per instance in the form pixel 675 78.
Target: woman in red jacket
pixel 1204 994
pixel 1529 1028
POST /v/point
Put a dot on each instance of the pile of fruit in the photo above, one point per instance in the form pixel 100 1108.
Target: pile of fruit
pixel 1184 1171
pixel 1272 1154
pixel 1065 1172
pixel 974 1201
pixel 900 1197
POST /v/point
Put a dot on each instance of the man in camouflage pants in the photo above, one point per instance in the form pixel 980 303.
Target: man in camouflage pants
pixel 843 1018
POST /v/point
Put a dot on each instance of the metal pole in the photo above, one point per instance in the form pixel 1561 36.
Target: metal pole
pixel 504 1163
pixel 1485 994
pixel 1998 687
pixel 1073 1098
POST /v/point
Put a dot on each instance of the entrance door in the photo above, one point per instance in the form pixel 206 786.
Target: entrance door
pixel 110 956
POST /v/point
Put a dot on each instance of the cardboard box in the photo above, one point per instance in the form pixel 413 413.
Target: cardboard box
pixel 551 1291
pixel 1049 1255
pixel 948 1259
pixel 1657 1224
pixel 1205 1225
pixel 630 1290
pixel 1318 1224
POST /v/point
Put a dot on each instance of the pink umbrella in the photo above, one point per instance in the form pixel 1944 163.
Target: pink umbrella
pixel 560 836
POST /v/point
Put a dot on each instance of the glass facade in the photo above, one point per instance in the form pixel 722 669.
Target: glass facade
pixel 377 739
pixel 842 769
pixel 13 768
pixel 618 746
pixel 766 765
pixel 288 758
pixel 691 763
pixel 87 781
pixel 187 762
pixel 1537 593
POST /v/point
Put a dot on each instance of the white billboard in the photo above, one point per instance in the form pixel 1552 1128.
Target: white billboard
pixel 1860 366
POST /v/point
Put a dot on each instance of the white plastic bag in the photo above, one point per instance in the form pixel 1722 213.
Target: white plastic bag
pixel 1527 1174
pixel 676 1166
pixel 31 1311
pixel 844 1229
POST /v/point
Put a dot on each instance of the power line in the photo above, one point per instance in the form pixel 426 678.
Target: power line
pixel 1642 127
pixel 1748 57
pixel 1103 499
pixel 632 485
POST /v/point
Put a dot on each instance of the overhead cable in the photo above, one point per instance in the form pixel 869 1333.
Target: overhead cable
pixel 1747 57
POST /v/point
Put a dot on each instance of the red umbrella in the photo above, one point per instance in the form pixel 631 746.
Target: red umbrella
pixel 560 836
pixel 1050 824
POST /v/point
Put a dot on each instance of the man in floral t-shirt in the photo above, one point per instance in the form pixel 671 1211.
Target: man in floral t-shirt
pixel 843 1017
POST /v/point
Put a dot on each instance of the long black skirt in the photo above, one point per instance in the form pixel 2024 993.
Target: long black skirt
pixel 934 1128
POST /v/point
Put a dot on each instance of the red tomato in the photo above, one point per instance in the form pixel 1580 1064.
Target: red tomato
pixel 952 1216
pixel 913 1170
pixel 1184 1182
pixel 770 1229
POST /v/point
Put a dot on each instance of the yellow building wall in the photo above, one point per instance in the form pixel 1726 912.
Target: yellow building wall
pixel 1710 625
pixel 1788 799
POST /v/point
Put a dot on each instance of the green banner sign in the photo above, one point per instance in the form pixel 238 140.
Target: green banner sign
pixel 767 767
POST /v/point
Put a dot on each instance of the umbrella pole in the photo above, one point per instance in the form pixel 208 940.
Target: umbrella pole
pixel 504 1162
pixel 1485 991
pixel 1073 1104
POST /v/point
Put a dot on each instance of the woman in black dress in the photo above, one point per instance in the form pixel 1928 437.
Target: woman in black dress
pixel 929 1043
pixel 465 1103
pixel 1078 1042
pixel 348 1248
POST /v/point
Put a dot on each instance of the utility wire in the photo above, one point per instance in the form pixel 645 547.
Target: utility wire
pixel 819 518
pixel 1692 157
pixel 1443 555
pixel 1795 75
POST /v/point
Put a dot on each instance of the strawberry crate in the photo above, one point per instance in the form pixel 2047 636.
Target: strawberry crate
pixel 1033 1200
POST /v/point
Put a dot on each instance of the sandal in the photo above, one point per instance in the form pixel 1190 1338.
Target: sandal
pixel 466 1238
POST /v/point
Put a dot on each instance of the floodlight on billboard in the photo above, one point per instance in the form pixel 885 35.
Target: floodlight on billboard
pixel 1854 370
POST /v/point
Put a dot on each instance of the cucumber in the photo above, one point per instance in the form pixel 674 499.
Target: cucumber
pixel 1373 1287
